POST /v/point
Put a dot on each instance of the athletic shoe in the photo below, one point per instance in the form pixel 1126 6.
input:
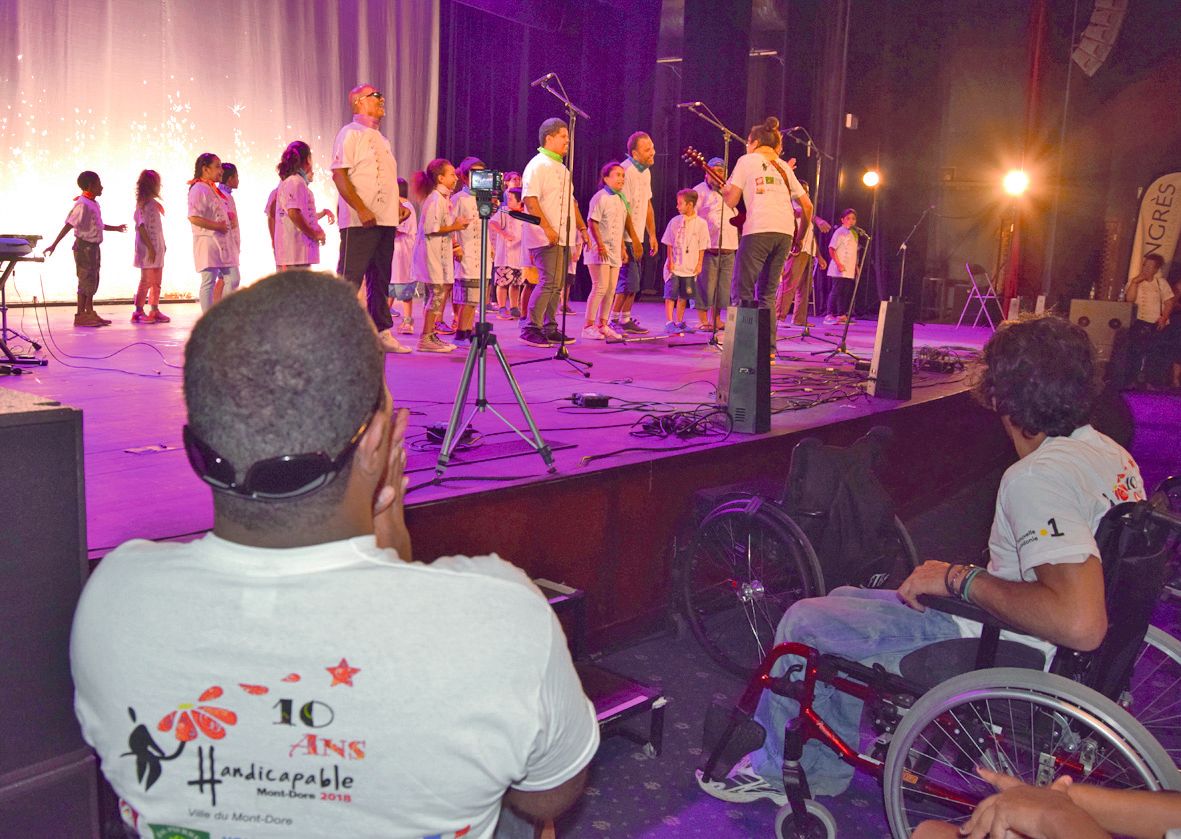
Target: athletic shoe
pixel 407 327
pixel 534 337
pixel 160 317
pixel 592 333
pixel 706 327
pixel 557 336
pixel 742 786
pixel 390 344
pixel 829 320
pixel 503 314
pixel 671 328
pixel 610 334
pixel 88 319
pixel 631 325
pixel 136 316
pixel 443 328
pixel 101 320
pixel 431 343
pixel 684 327
pixel 514 312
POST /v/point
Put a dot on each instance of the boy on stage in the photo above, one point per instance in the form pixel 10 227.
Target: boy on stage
pixel 687 238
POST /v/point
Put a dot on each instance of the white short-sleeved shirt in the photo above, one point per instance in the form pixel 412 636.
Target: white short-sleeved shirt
pixel 710 207
pixel 292 246
pixel 332 690
pixel 607 210
pixel 507 249
pixel 767 197
pixel 637 189
pixel 548 181
pixel 463 203
pixel 807 234
pixel 1049 505
pixel 210 247
pixel 404 239
pixel 1151 297
pixel 366 155
pixel 432 262
pixel 686 238
pixel 87 220
pixel 844 243
pixel 148 218
pixel 234 234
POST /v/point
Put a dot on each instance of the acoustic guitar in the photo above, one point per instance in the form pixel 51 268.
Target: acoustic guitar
pixel 694 158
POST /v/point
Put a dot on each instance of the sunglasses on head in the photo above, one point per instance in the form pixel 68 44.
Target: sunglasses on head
pixel 285 476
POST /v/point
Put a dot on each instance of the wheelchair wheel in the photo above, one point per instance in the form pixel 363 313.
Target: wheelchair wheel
pixel 1154 693
pixel 1026 723
pixel 816 822
pixel 747 563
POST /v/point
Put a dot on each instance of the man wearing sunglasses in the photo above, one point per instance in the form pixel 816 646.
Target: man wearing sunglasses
pixel 293 670
pixel 369 209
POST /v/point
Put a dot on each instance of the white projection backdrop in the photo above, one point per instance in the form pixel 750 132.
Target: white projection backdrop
pixel 119 86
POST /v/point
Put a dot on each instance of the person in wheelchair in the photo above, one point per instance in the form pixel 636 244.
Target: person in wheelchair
pixel 1044 575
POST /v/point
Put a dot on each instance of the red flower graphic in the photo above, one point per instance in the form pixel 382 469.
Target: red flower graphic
pixel 190 717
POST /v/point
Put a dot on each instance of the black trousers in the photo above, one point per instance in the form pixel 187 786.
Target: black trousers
pixel 366 253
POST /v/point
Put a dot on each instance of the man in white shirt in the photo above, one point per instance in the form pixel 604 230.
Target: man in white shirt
pixel 294 673
pixel 637 190
pixel 549 195
pixel 717 269
pixel 369 210
pixel 1044 575
pixel 1154 301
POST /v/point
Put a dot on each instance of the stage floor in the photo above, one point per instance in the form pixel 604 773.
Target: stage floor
pixel 127 381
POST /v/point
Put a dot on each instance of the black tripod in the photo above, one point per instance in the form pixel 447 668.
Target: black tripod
pixel 842 347
pixel 572 114
pixel 477 360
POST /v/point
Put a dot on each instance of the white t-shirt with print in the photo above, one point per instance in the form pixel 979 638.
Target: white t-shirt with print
pixel 433 263
pixel 211 248
pixel 767 197
pixel 87 220
pixel 149 217
pixel 331 690
pixel 1151 297
pixel 844 243
pixel 292 247
pixel 404 239
pixel 367 156
pixel 1049 505
pixel 508 253
pixel 637 188
pixel 607 210
pixel 463 203
pixel 548 181
pixel 234 234
pixel 710 207
pixel 686 238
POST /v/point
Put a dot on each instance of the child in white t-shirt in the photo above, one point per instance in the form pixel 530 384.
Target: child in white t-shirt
pixel 298 234
pixel 149 247
pixel 608 218
pixel 233 277
pixel 687 237
pixel 402 286
pixel 433 264
pixel 506 241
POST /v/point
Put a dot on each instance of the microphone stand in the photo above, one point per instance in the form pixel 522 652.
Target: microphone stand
pixel 902 250
pixel 810 147
pixel 572 114
pixel 842 347
pixel 728 137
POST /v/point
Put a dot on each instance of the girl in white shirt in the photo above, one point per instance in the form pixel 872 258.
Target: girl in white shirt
pixel 211 222
pixel 402 285
pixel 229 283
pixel 433 263
pixel 149 247
pixel 298 234
pixel 608 218
pixel 506 241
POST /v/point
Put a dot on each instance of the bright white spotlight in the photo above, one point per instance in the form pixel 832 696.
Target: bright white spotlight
pixel 1015 182
pixel 871 179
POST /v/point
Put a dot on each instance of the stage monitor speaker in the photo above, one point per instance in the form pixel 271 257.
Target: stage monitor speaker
pixel 45 765
pixel 891 371
pixel 1102 320
pixel 744 379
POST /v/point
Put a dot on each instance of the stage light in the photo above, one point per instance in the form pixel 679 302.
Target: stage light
pixel 1015 182
pixel 871 178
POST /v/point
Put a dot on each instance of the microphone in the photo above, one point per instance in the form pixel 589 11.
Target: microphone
pixel 542 80
pixel 528 218
pixel 690 104
pixel 794 129
pixel 859 231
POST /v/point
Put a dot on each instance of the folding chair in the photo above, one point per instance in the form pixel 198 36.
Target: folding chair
pixel 981 290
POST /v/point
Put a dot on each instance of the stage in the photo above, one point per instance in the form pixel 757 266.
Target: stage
pixel 607 520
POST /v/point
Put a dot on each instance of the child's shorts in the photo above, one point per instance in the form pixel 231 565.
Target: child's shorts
pixel 506 277
pixel 436 297
pixel 678 288
pixel 403 291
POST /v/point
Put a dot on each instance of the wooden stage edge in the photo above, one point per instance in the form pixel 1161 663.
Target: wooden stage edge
pixel 614 532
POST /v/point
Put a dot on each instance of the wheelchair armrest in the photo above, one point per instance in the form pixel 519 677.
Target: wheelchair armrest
pixel 970 611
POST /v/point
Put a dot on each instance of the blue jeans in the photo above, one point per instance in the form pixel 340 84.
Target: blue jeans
pixel 209 278
pixel 871 626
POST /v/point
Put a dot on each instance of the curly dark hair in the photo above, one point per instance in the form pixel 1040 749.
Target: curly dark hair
pixel 1039 372
pixel 294 158
pixel 147 186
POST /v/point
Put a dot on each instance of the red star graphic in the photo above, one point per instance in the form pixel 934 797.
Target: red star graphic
pixel 342 674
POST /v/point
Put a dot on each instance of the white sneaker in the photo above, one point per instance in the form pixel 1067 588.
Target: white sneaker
pixel 592 333
pixel 610 334
pixel 432 343
pixel 390 344
pixel 742 786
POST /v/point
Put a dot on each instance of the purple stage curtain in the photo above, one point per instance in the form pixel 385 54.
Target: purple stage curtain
pixel 118 86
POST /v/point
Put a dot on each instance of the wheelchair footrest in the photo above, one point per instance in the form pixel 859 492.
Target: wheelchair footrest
pixel 729 735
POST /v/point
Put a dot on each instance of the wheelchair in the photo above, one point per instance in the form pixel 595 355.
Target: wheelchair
pixel 1108 717
pixel 758 551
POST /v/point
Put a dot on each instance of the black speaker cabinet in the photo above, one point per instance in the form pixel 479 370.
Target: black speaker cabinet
pixel 744 379
pixel 891 371
pixel 45 766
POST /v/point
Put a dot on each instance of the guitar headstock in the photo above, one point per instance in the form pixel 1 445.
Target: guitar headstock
pixel 694 157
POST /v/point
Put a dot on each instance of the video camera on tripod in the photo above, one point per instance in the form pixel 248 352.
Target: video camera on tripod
pixel 486 185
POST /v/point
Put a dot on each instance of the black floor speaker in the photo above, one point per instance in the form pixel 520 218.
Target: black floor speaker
pixel 891 371
pixel 744 379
